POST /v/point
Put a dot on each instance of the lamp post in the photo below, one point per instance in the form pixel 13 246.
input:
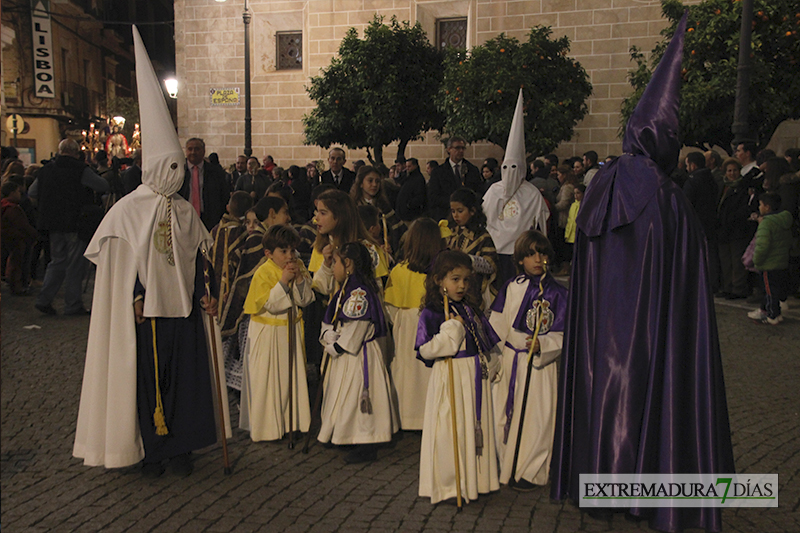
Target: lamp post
pixel 248 138
pixel 741 120
pixel 248 132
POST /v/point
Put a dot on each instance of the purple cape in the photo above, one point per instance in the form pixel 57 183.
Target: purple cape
pixel 364 296
pixel 641 389
pixel 554 293
pixel 430 321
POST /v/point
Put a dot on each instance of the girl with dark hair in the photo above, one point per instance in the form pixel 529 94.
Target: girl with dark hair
pixel 357 407
pixel 467 224
pixel 368 189
pixel 404 293
pixel 470 341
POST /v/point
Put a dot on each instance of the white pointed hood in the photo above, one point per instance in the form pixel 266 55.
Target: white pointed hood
pixel 514 205
pixel 513 170
pixel 163 229
pixel 160 145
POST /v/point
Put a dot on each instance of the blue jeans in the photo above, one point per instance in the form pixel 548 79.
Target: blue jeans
pixel 67 265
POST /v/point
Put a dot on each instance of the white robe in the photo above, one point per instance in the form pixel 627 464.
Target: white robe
pixel 437 461
pixel 536 446
pixel 107 432
pixel 265 384
pixel 525 209
pixel 410 375
pixel 342 419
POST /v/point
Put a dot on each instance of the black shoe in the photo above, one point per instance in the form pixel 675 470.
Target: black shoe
pixel 523 485
pixel 365 453
pixel 152 470
pixel 81 311
pixel 181 465
pixel 46 309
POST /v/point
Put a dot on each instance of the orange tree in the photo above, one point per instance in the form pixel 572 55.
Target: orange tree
pixel 480 89
pixel 376 90
pixel 710 59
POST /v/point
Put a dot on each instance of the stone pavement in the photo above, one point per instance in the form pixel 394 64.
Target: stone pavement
pixel 274 489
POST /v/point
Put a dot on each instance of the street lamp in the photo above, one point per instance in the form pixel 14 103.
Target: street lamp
pixel 248 130
pixel 172 86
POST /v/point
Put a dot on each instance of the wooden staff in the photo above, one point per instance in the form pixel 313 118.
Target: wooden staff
pixel 225 460
pixel 290 319
pixel 539 315
pixel 453 411
pixel 318 399
pixel 385 231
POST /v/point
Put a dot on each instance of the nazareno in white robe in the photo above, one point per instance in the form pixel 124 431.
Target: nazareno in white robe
pixel 536 446
pixel 342 419
pixel 265 385
pixel 107 432
pixel 479 474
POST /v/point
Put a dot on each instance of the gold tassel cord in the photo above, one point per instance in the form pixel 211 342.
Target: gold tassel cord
pixel 158 415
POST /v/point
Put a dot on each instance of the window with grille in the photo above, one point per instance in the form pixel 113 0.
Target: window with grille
pixel 290 50
pixel 451 33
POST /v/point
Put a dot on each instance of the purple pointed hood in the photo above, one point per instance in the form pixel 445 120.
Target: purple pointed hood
pixel 620 191
pixel 652 129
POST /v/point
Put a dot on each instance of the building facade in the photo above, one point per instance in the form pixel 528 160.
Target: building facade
pixel 61 66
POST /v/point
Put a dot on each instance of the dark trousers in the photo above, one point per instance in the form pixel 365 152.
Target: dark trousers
pixel 775 284
pixel 734 275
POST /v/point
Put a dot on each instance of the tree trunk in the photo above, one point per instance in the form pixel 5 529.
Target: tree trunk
pixel 401 148
pixel 378 151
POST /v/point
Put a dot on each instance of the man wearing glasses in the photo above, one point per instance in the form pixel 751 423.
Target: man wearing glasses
pixel 453 174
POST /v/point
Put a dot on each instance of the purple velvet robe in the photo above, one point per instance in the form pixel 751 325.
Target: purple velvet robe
pixel 641 389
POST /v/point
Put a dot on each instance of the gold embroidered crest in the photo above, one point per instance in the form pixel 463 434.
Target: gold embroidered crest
pixel 162 240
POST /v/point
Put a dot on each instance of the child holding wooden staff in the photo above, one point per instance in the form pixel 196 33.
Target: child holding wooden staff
pixel 457 456
pixel 528 316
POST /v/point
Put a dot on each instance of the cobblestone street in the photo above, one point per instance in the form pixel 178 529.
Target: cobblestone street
pixel 276 489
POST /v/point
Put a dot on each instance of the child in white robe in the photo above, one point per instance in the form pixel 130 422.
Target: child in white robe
pixel 466 341
pixel 405 292
pixel 532 297
pixel 357 406
pixel 279 285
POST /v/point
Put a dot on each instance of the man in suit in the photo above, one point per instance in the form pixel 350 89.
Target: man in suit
pixel 204 186
pixel 454 173
pixel 751 175
pixel 342 178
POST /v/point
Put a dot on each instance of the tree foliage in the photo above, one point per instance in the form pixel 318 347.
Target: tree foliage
pixel 480 90
pixel 376 90
pixel 710 60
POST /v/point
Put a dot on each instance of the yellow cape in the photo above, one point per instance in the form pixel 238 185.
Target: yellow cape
pixel 405 288
pixel 381 269
pixel 266 277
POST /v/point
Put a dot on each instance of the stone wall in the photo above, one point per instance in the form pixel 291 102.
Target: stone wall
pixel 210 53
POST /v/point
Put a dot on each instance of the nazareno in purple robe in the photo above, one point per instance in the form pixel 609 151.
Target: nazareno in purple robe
pixel 641 389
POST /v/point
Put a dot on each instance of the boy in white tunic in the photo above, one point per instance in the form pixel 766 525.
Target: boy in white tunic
pixel 279 285
pixel 532 298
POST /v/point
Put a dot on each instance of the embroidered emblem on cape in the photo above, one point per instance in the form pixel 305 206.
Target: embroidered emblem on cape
pixel 510 210
pixel 373 253
pixel 543 307
pixel 356 305
pixel 162 240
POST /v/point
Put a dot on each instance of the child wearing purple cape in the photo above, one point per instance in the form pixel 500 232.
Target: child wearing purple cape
pixel 357 406
pixel 532 298
pixel 468 338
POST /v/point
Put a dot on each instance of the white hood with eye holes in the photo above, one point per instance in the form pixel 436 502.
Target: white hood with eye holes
pixel 163 230
pixel 514 205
